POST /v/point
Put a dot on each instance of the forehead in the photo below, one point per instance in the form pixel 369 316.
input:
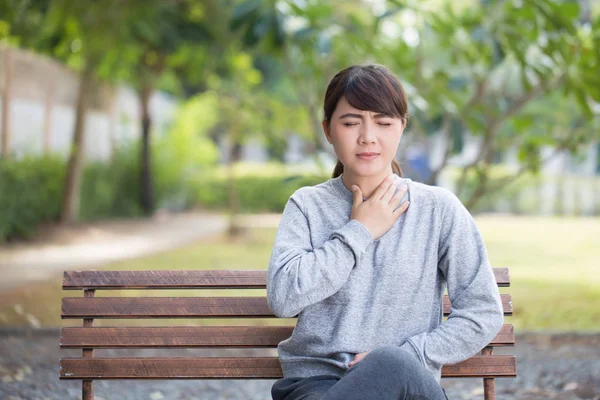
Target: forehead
pixel 343 107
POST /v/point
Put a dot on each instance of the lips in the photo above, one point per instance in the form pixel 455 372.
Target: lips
pixel 367 156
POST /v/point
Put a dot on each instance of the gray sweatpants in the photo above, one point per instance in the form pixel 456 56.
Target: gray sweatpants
pixel 386 373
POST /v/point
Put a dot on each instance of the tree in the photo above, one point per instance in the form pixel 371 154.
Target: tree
pixel 467 67
pixel 85 37
pixel 487 64
pixel 167 41
pixel 89 38
pixel 110 40
pixel 329 37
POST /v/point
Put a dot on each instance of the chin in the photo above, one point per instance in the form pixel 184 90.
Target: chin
pixel 367 170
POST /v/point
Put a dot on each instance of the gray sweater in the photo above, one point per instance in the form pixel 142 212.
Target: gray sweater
pixel 352 293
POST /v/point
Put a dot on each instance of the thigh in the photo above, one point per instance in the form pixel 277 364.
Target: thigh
pixel 387 372
pixel 312 388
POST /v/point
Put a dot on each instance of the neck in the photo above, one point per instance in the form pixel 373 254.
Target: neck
pixel 367 184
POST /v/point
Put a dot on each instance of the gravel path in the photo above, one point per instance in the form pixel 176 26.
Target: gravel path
pixel 550 366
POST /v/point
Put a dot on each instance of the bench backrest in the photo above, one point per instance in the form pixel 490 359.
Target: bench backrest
pixel 90 307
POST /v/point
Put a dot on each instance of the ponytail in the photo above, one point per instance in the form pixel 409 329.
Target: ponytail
pixel 339 169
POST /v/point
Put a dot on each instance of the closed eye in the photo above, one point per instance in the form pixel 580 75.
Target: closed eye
pixel 349 124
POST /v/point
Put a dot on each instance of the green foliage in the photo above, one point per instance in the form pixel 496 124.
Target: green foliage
pixel 522 195
pixel 185 151
pixel 32 188
pixel 496 174
pixel 30 192
pixel 256 193
pixel 111 189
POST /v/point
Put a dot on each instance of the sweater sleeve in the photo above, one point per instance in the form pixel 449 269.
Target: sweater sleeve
pixel 300 275
pixel 476 313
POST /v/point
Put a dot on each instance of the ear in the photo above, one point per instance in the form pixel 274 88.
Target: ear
pixel 326 130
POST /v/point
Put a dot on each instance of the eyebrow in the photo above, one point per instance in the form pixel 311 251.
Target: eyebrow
pixel 351 115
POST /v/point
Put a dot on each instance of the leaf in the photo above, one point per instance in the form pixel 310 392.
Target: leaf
pixel 568 9
pixel 262 26
pixel 304 33
pixel 245 13
pixel 582 101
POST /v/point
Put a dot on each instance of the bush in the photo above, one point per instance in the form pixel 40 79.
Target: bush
pixel 32 188
pixel 30 192
pixel 256 193
pixel 111 190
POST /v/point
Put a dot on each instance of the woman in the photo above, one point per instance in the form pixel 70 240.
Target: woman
pixel 365 272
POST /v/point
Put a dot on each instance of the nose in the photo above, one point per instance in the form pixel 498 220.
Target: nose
pixel 366 134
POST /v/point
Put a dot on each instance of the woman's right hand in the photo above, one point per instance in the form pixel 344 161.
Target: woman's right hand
pixel 379 212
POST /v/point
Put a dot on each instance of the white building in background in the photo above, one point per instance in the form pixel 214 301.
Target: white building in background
pixel 112 118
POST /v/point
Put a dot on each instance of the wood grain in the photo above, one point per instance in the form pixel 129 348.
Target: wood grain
pixel 240 368
pixel 212 279
pixel 186 307
pixel 198 337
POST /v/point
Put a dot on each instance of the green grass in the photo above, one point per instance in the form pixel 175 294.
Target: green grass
pixel 554 264
pixel 555 269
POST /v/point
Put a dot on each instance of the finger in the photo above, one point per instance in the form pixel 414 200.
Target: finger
pixel 396 200
pixel 383 187
pixel 358 198
pixel 400 210
pixel 392 190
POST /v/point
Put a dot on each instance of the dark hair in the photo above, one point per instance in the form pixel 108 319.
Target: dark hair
pixel 367 87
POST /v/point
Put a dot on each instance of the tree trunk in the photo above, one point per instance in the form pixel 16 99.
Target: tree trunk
pixel 6 97
pixel 71 197
pixel 146 194
pixel 235 153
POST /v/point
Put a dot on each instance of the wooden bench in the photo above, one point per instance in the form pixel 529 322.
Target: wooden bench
pixel 89 368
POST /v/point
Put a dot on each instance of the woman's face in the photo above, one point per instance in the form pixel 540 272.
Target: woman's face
pixel 354 132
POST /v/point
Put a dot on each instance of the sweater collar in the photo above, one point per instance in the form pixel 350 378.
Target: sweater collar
pixel 341 189
pixel 346 193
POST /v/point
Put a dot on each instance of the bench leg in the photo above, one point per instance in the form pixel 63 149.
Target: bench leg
pixel 87 389
pixel 489 389
pixel 87 385
pixel 489 384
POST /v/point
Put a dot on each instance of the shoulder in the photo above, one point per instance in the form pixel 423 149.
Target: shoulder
pixel 306 194
pixel 437 197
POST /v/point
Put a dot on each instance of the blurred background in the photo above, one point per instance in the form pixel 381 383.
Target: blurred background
pixel 169 134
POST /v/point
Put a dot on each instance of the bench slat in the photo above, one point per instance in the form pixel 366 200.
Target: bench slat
pixel 185 307
pixel 213 279
pixel 239 368
pixel 198 336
